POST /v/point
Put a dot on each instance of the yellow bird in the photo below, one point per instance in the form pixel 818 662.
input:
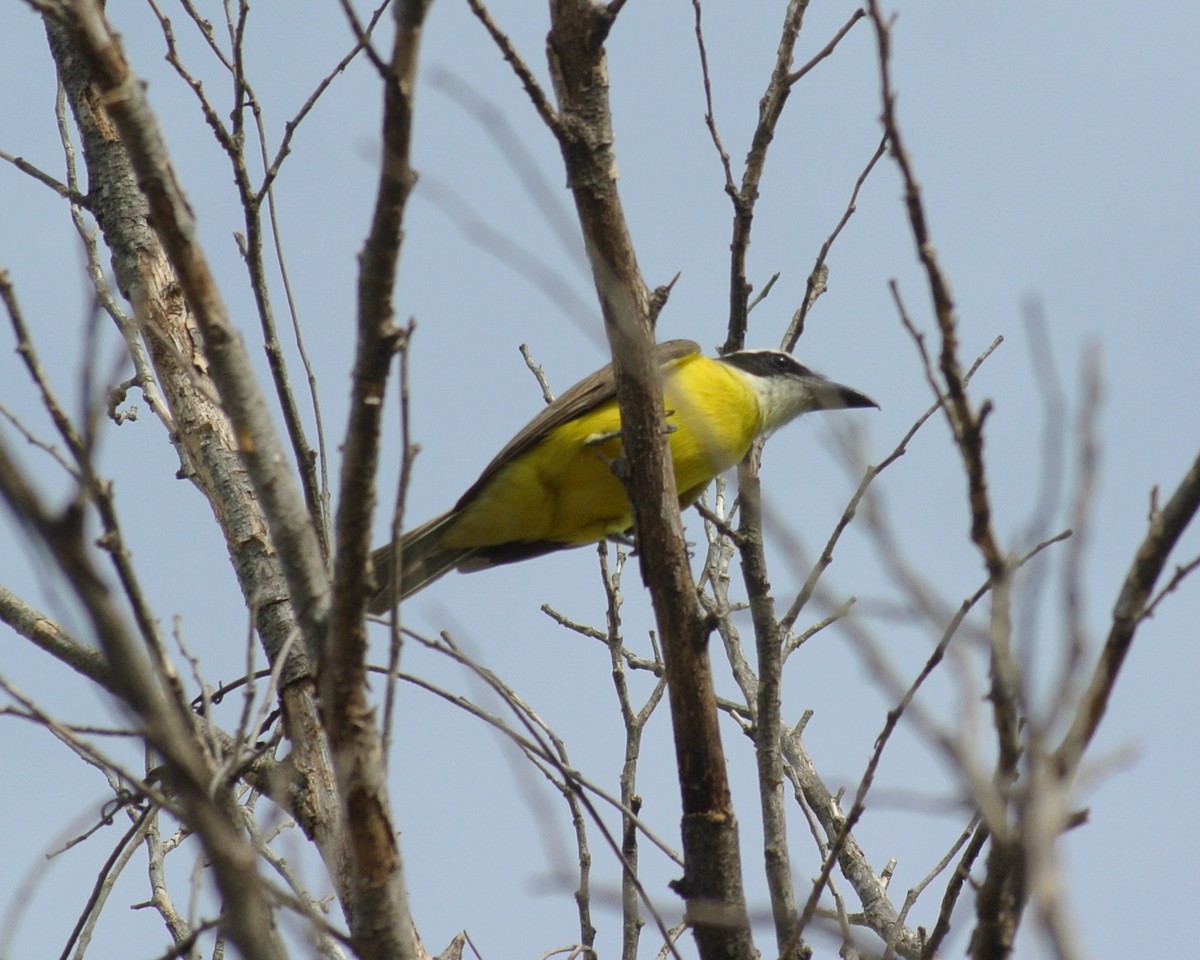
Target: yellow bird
pixel 553 487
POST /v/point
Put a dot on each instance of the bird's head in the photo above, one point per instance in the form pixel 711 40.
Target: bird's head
pixel 786 388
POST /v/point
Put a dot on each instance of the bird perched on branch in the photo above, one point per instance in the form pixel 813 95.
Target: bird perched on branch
pixel 553 485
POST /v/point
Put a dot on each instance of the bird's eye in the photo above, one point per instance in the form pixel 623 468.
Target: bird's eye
pixel 780 361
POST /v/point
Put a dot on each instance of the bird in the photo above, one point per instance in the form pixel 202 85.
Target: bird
pixel 553 486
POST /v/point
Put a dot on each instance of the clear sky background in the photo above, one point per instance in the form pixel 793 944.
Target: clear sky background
pixel 1059 149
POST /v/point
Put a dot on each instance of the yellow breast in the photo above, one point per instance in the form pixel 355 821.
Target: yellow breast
pixel 563 489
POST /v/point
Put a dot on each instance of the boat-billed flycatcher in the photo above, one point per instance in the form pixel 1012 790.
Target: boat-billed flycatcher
pixel 553 487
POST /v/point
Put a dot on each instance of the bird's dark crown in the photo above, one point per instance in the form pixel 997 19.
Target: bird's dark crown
pixel 767 363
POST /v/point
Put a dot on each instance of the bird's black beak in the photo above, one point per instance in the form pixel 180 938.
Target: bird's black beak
pixel 835 396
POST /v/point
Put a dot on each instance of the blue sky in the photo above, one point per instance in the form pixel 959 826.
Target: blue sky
pixel 1057 146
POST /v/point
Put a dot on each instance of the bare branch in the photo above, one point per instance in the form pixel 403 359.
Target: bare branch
pixel 362 35
pixel 292 125
pixel 209 444
pixel 910 898
pixel 408 455
pixel 109 871
pixel 1166 527
pixel 1181 572
pixel 819 275
pixel 770 108
pixel 965 423
pixel 709 119
pixel 962 874
pixel 842 850
pixel 42 177
pixel 165 720
pixel 232 373
pixel 712 885
pixel 1002 895
pixel 829 47
pixel 537 96
pixel 767 707
pixel 826 557
pixel 46 634
pixel 232 142
pixel 380 919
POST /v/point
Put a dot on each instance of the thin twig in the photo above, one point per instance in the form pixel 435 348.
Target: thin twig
pixel 107 876
pixel 548 753
pixel 537 96
pixel 292 125
pixel 826 557
pixel 954 888
pixel 42 177
pixel 232 142
pixel 744 197
pixel 710 119
pixel 363 37
pixel 1165 528
pixel 408 455
pixel 1181 571
pixel 818 277
pixel 829 47
pixel 538 373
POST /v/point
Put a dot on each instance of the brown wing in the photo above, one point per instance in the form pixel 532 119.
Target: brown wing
pixel 587 394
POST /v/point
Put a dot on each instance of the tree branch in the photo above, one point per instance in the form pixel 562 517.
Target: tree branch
pixel 80 42
pixel 711 884
pixel 770 109
pixel 768 726
pixel 380 919
pixel 258 446
pixel 1166 527
pixel 165 721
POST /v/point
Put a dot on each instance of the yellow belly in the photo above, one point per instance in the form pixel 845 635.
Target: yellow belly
pixel 563 490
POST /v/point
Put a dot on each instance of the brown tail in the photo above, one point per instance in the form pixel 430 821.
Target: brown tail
pixel 423 560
